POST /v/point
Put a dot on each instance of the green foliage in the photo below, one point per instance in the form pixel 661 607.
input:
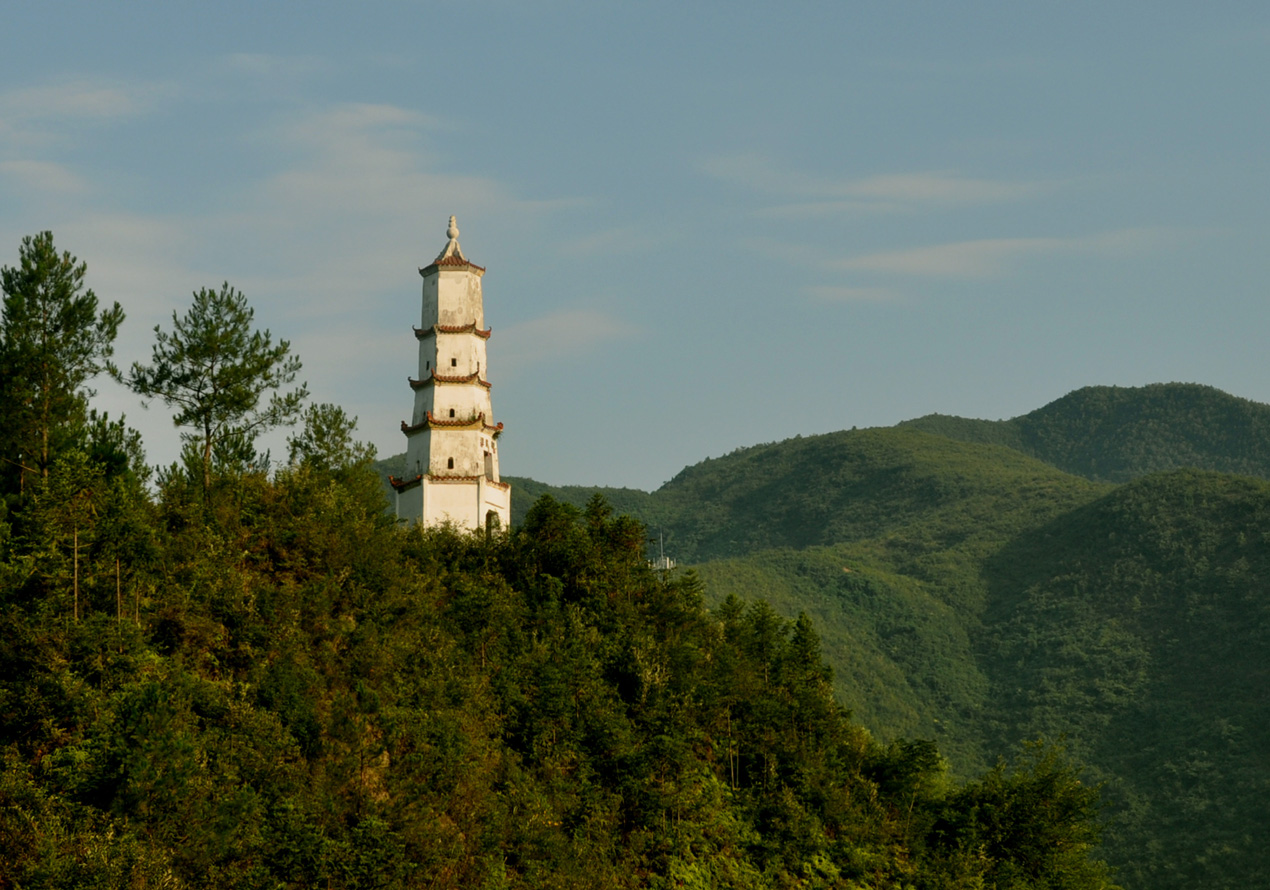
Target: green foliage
pixel 52 342
pixel 217 372
pixel 1115 434
pixel 1139 624
pixel 326 441
pixel 309 696
pixel 1031 823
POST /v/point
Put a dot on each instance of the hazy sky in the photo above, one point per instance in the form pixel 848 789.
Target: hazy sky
pixel 705 225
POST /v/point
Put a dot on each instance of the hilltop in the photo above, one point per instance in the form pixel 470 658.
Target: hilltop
pixel 1115 434
pixel 300 694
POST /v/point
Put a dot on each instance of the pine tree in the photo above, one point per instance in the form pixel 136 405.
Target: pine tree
pixel 222 376
pixel 52 342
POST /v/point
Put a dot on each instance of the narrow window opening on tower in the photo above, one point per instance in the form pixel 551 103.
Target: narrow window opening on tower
pixel 450 464
pixel 451 412
pixel 454 363
pixel 427 366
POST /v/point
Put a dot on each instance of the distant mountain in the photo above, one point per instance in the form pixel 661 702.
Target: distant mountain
pixel 1139 625
pixel 1114 434
pixel 854 485
pixel 630 501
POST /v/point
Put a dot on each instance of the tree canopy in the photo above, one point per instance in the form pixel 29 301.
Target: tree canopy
pixel 52 342
pixel 222 376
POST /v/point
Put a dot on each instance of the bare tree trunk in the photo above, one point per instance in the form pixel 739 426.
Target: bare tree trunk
pixel 207 462
pixel 76 571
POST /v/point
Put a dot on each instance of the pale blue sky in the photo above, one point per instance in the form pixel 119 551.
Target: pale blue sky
pixel 705 225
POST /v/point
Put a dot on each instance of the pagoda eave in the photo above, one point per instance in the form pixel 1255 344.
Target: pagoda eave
pixel 432 423
pixel 401 485
pixel 451 263
pixel 435 378
pixel 432 330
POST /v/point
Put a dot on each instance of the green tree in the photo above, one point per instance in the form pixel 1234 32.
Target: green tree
pixel 52 341
pixel 326 441
pixel 1030 824
pixel 218 371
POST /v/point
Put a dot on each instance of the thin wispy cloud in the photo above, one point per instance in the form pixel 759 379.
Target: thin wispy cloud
pixel 822 209
pixel 846 294
pixel 80 99
pixel 147 263
pixel 808 195
pixel 271 66
pixel 41 176
pixel 34 116
pixel 967 259
pixel 992 257
pixel 342 217
pixel 940 188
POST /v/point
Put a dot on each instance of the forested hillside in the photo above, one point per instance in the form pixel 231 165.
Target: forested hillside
pixel 232 672
pixel 1114 434
pixel 1139 626
pixel 295 693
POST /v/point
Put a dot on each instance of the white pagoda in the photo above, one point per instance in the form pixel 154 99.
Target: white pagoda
pixel 452 440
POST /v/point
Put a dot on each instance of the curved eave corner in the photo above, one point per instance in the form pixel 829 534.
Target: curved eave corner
pixel 400 485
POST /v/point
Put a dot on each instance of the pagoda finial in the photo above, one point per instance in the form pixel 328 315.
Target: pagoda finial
pixel 451 249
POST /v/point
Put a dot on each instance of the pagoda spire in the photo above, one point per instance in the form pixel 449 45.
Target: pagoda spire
pixel 451 249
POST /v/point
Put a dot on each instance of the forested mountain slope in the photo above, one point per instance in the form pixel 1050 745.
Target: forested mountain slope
pixel 836 487
pixel 1115 434
pixel 1139 626
pixel 912 490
